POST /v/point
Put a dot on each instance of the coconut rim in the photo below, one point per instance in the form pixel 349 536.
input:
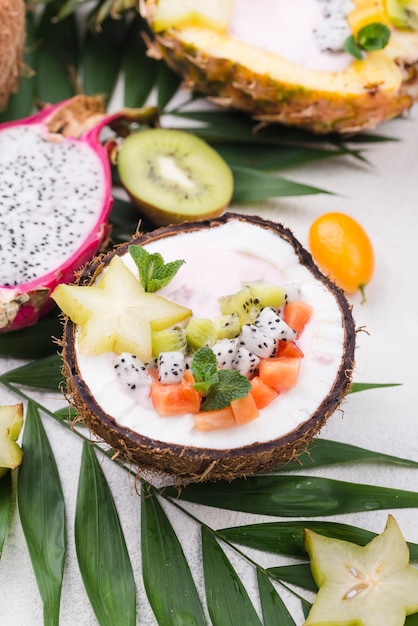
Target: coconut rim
pixel 131 441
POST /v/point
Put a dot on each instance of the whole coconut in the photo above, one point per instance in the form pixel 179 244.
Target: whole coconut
pixel 12 37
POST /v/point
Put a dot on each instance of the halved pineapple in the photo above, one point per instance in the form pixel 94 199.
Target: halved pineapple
pixel 271 69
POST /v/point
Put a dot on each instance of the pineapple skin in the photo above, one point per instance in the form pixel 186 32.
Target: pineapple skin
pixel 369 92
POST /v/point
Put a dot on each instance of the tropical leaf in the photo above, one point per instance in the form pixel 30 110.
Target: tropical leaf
pixel 42 374
pixel 293 496
pixel 299 575
pixel 286 538
pixel 168 84
pixel 324 452
pixel 138 69
pixel 273 158
pixel 33 342
pixel 227 599
pixel 101 550
pixel 58 56
pixel 254 185
pixel 356 387
pixel 103 50
pixel 165 571
pixel 42 513
pixel 5 506
pixel 273 607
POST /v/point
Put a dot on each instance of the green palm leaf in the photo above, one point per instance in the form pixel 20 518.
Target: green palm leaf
pixel 324 452
pixel 273 158
pixel 291 496
pixel 33 342
pixel 138 69
pixel 165 571
pixel 102 57
pixel 299 575
pixel 286 538
pixel 101 550
pixel 5 506
pixel 273 607
pixel 42 513
pixel 58 56
pixel 226 597
pixel 253 185
pixel 43 374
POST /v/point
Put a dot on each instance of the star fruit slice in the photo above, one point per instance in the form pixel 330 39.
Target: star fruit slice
pixel 11 420
pixel 116 314
pixel 367 585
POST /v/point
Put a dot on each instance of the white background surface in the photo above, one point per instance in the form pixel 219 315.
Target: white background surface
pixel 384 198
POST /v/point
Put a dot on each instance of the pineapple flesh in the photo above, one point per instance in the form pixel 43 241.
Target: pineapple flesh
pixel 199 41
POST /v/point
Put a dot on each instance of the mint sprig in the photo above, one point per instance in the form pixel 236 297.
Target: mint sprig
pixel 154 274
pixel 374 36
pixel 218 387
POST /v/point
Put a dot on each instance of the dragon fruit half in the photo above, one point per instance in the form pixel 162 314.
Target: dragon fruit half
pixel 55 198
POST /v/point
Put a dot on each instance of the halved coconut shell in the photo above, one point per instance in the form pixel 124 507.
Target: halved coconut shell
pixel 193 463
pixel 12 39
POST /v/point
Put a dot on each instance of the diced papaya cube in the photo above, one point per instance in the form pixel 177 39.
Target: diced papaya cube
pixel 175 399
pixel 289 348
pixel 279 373
pixel 262 393
pixel 212 420
pixel 297 314
pixel 244 409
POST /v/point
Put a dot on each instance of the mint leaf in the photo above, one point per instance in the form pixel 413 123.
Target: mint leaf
pixel 373 36
pixel 231 385
pixel 154 274
pixel 204 370
pixel 351 47
pixel 218 387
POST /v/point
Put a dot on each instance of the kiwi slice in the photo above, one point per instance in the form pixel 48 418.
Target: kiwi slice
pixel 173 176
pixel 267 294
pixel 403 13
pixel 241 303
pixel 227 326
pixel 200 332
pixel 169 340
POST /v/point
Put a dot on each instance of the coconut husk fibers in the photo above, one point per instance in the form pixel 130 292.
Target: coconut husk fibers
pixel 12 38
pixel 186 464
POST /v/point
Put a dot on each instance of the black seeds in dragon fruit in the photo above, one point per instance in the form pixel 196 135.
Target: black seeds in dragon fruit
pixel 39 220
pixel 245 362
pixel 257 341
pixel 273 325
pixel 171 367
pixel 225 350
pixel 334 29
pixel 131 370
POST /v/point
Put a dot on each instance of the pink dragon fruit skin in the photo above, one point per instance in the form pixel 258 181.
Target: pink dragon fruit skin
pixel 22 304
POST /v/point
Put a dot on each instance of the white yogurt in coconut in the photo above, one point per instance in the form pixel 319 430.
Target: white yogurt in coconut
pixel 218 260
pixel 309 33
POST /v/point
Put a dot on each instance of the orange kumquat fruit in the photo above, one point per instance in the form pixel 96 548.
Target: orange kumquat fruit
pixel 342 250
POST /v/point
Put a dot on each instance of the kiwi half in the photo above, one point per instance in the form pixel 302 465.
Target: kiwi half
pixel 173 176
pixel 284 429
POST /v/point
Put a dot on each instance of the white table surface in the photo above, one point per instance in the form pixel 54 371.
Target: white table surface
pixel 383 196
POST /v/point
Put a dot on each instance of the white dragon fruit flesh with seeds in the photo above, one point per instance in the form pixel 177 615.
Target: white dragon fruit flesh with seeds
pixel 254 338
pixel 271 324
pixel 245 362
pixel 131 370
pixel 55 198
pixel 171 366
pixel 225 350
